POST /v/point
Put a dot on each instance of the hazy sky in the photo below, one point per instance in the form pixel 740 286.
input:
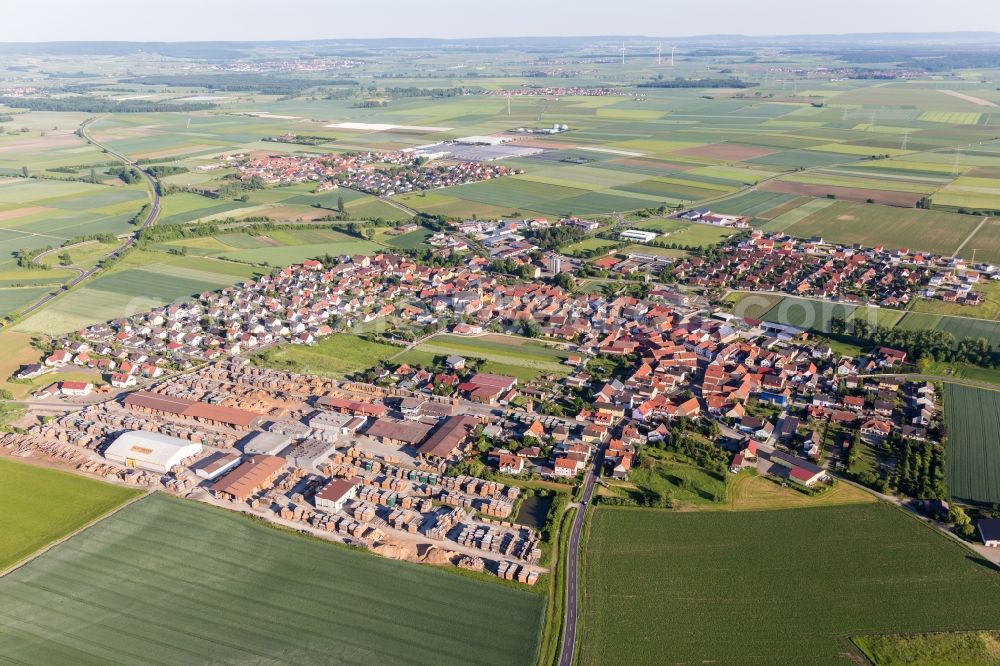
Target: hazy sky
pixel 181 20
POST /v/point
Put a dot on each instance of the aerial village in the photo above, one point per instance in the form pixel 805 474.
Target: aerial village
pixel 380 173
pixel 382 462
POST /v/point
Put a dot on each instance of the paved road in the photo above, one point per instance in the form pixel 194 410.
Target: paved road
pixel 154 212
pixel 571 611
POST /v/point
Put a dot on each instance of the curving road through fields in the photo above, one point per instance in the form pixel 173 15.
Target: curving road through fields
pixel 154 212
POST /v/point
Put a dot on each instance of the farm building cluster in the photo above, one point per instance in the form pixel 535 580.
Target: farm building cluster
pixel 706 216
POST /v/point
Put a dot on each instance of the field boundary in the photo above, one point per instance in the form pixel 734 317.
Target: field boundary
pixel 970 236
pixel 52 544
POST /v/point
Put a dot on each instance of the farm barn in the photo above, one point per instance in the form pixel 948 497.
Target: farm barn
pixel 150 450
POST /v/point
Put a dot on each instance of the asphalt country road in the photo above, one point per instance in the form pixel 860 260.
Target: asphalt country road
pixel 154 212
pixel 571 611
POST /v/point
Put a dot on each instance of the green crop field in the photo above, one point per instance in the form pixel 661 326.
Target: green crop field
pixel 410 241
pixel 14 299
pixel 142 281
pixel 872 224
pixel 170 581
pixel 816 315
pixel 753 306
pixel 791 217
pixel 972 328
pixel 586 244
pixel 43 505
pixel 973 454
pixel 987 241
pixel 806 313
pixel 686 587
pixel 46 213
pixel 875 316
pixel 293 254
pixel 335 356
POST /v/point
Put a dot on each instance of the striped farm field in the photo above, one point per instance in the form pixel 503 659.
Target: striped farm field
pixel 145 280
pixel 951 117
pixel 668 587
pixel 973 455
pixel 885 317
pixel 753 203
pixel 962 327
pixel 871 225
pixel 987 242
pixel 13 299
pixel 46 213
pixel 795 215
pixel 172 581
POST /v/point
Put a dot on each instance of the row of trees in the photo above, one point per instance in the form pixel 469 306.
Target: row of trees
pixel 929 344
pixel 919 470
pixel 552 237
pixel 128 175
pixel 100 105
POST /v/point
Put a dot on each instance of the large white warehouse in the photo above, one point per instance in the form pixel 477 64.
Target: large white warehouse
pixel 150 450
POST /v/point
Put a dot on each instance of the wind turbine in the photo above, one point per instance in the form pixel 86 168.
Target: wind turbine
pixel 623 53
pixel 659 54
pixel 672 49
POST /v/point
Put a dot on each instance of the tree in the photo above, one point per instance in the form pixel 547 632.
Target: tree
pixel 565 280
pixel 24 171
pixel 340 204
pixel 531 328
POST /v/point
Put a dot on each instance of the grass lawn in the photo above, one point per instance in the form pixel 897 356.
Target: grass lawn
pixel 685 483
pixel 748 491
pixel 170 581
pixel 770 587
pixel 964 371
pixel 17 352
pixel 336 356
pixel 575 248
pixel 42 505
pixel 498 350
pixel 960 648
